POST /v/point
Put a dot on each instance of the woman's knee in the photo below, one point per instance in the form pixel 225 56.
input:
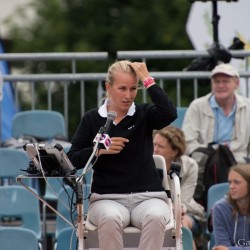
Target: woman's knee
pixel 109 217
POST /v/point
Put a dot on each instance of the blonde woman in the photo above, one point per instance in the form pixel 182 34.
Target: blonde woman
pixel 126 187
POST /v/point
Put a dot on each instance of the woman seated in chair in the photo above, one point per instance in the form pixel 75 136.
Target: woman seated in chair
pixel 126 188
pixel 170 143
pixel 231 214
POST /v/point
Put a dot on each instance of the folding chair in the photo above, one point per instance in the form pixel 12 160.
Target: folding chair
pixel 53 186
pixel 18 238
pixel 40 124
pixel 20 209
pixel 181 111
pixel 66 239
pixel 187 238
pixel 66 208
pixel 215 193
pixel 11 163
pixel 174 202
pixel 43 124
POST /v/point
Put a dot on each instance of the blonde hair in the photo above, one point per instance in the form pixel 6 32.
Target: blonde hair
pixel 119 66
pixel 244 171
pixel 175 138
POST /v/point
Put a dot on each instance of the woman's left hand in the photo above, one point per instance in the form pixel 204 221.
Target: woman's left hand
pixel 220 248
pixel 117 145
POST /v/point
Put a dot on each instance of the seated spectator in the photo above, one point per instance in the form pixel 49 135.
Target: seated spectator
pixel 231 214
pixel 170 143
pixel 222 116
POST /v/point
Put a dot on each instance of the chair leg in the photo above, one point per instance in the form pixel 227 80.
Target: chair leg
pixel 44 229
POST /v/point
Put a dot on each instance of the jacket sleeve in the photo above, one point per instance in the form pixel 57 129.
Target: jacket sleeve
pixel 82 144
pixel 162 112
pixel 188 184
pixel 222 236
pixel 191 127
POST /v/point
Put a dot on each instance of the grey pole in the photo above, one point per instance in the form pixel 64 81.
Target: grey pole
pixel 1 98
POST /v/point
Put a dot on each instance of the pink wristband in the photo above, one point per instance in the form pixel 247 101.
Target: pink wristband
pixel 148 81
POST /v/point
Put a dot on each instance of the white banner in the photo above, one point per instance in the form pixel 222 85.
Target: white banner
pixel 1 86
pixel 233 22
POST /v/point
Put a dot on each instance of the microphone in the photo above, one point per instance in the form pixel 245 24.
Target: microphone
pixel 110 118
pixel 102 137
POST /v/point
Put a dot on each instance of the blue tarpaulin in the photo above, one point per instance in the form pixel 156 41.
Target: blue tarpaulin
pixel 8 108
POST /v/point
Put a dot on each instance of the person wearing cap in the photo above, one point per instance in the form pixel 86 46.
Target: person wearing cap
pixel 221 117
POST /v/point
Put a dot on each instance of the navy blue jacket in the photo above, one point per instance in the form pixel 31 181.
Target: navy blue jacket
pixel 133 169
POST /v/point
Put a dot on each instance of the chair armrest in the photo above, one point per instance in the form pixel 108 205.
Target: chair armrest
pixel 176 197
pixel 89 225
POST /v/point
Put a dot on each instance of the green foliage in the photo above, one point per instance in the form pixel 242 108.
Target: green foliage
pixel 94 25
pixel 101 25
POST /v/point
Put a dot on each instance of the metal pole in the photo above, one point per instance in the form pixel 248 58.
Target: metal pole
pixel 80 228
pixel 215 22
pixel 1 98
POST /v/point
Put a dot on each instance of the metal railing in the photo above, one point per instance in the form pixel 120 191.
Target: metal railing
pixel 73 57
pixel 50 80
pixel 145 56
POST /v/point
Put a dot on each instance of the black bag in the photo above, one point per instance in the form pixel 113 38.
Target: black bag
pixel 216 168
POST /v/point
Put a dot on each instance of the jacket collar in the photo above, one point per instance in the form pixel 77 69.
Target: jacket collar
pixel 103 112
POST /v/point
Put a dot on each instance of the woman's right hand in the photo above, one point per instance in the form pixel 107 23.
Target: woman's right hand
pixel 117 145
pixel 140 69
